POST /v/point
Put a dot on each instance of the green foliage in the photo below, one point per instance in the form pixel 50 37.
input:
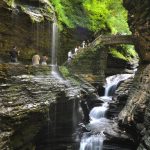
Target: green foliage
pixel 64 70
pixel 68 75
pixel 68 12
pixel 125 52
pixel 93 14
pixel 11 3
pixel 118 54
pixel 108 13
pixel 130 51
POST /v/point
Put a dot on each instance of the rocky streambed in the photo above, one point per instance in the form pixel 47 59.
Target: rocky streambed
pixel 39 111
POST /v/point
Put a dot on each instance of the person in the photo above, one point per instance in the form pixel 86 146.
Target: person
pixel 83 44
pixel 44 60
pixel 76 50
pixel 36 59
pixel 14 54
pixel 70 56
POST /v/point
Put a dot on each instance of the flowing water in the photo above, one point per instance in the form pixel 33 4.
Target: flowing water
pixel 54 43
pixel 55 71
pixel 112 82
pixel 98 122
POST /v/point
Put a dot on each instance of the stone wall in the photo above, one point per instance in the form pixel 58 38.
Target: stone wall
pixel 94 64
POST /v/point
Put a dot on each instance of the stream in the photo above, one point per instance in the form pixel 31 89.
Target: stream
pixel 99 124
pixel 66 131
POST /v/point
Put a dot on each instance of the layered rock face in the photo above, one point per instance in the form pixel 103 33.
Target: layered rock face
pixel 94 64
pixel 139 22
pixel 30 98
pixel 136 112
pixel 25 24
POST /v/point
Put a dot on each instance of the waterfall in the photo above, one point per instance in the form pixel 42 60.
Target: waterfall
pixel 113 81
pixel 55 71
pixel 98 121
pixel 98 112
pixel 93 142
pixel 54 44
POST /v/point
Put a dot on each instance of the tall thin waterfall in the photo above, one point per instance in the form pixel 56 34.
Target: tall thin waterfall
pixel 55 70
pixel 54 44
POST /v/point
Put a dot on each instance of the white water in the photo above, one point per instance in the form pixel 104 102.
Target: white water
pixel 55 70
pixel 97 116
pixel 93 142
pixel 54 43
pixel 113 81
pixel 98 112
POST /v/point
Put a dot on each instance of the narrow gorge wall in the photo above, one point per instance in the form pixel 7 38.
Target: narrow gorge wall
pixel 137 109
pixel 139 23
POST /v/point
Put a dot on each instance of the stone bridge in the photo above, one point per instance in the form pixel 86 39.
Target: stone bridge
pixel 113 39
pixel 143 50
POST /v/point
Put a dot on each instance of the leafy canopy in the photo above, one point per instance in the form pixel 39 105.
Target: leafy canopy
pixel 92 14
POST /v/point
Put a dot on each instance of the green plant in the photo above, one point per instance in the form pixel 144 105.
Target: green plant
pixel 92 14
pixel 64 70
pixel 118 54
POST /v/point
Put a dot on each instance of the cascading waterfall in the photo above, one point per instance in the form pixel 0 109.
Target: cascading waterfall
pixel 98 112
pixel 55 70
pixel 97 116
pixel 93 142
pixel 112 82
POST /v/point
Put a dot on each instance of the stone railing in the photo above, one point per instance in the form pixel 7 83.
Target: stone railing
pixel 113 39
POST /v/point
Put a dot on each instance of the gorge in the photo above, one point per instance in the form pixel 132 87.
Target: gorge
pixel 42 108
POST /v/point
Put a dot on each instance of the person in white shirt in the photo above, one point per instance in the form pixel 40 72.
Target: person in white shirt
pixel 76 50
pixel 70 56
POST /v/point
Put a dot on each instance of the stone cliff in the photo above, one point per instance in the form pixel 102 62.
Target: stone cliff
pixel 136 111
pixel 139 23
pixel 27 25
pixel 31 98
pixel 36 107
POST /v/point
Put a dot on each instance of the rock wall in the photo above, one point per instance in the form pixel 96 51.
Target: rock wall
pixel 30 98
pixel 27 25
pixel 37 110
pixel 139 23
pixel 136 111
pixel 94 64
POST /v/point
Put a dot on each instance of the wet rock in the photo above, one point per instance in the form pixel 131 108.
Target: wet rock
pixel 119 98
pixel 26 96
pixel 137 108
pixel 36 107
pixel 25 25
